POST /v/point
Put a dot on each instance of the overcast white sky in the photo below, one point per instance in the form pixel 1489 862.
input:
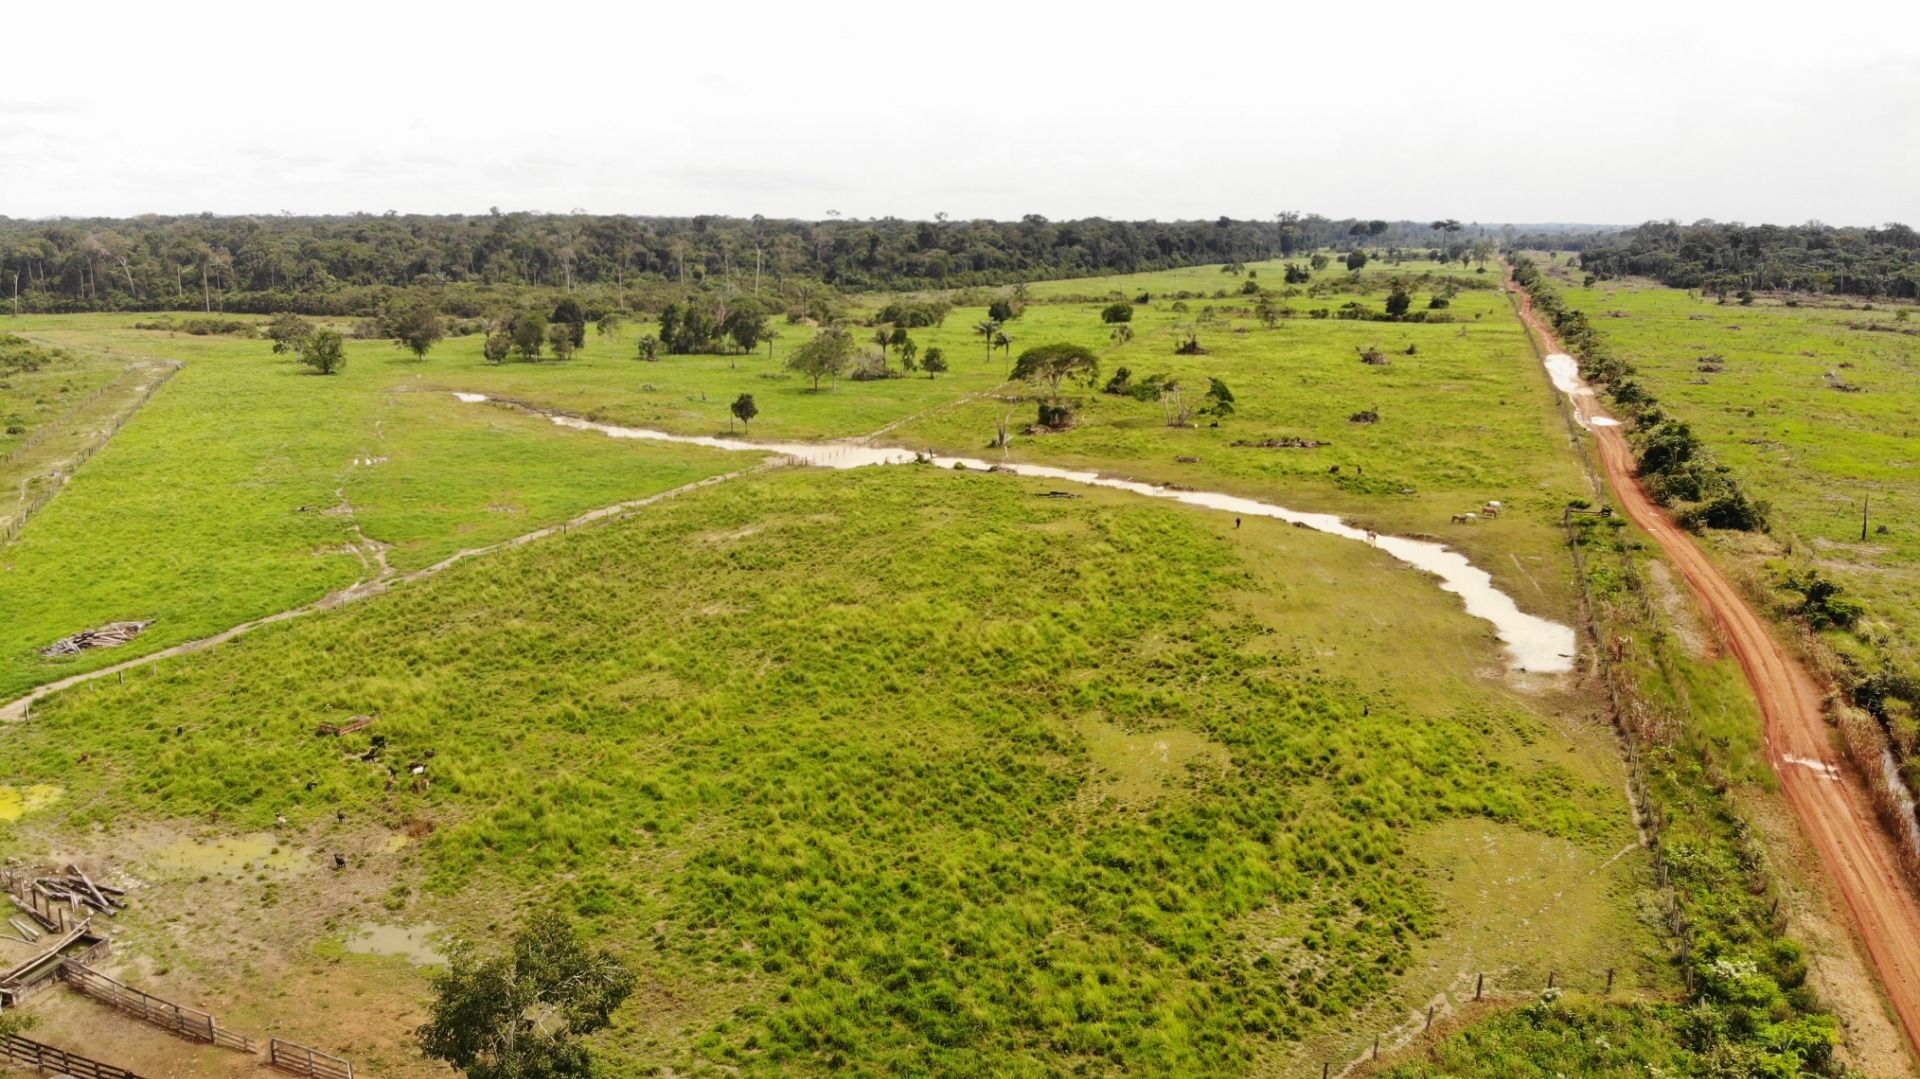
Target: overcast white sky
pixel 1486 111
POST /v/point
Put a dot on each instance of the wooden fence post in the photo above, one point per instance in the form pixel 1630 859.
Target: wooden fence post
pixel 1479 983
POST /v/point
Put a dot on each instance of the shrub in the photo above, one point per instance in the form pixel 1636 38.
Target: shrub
pixel 1056 417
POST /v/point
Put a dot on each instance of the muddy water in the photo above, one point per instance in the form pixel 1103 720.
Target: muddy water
pixel 1533 643
pixel 233 854
pixel 414 944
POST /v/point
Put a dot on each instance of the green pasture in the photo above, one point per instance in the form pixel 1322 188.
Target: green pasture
pixel 1772 414
pixel 911 771
pixel 1206 280
pixel 221 500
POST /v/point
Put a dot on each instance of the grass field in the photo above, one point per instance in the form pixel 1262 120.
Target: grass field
pixel 1757 384
pixel 202 524
pixel 221 500
pixel 835 753
pixel 895 770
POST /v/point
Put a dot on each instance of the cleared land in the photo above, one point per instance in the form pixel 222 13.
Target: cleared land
pixel 898 769
pixel 1815 407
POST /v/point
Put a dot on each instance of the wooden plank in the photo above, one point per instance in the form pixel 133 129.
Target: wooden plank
pixel 87 881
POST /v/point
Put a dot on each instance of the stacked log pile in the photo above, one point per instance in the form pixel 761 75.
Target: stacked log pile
pixel 107 636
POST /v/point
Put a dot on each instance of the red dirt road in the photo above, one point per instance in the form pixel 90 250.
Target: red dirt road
pixel 1826 797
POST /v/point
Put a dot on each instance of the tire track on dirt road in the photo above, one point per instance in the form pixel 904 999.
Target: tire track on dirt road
pixel 1826 797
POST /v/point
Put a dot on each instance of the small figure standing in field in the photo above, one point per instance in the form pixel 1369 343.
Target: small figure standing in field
pixel 1236 522
pixel 1372 536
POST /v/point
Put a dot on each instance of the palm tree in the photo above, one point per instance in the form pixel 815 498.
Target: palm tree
pixel 882 338
pixel 1004 344
pixel 987 328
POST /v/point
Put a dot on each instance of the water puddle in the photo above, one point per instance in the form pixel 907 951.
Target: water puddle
pixel 1534 644
pixel 1564 370
pixel 235 854
pixel 413 944
pixel 1826 770
pixel 17 802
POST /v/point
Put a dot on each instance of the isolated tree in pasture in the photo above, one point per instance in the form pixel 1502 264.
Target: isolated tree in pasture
pixel 1483 251
pixel 1173 402
pixel 769 335
pixel 1267 310
pixel 650 348
pixel 898 338
pixel 325 352
pixel 522 1015
pixel 288 332
pixel 884 339
pixel 1004 343
pixel 826 355
pixel 610 325
pixel 1356 259
pixel 908 352
pixel 497 347
pixel 1121 334
pixel 1004 311
pixel 743 409
pixel 1116 312
pixel 1399 300
pixel 1319 261
pixel 1219 400
pixel 986 328
pixel 570 314
pixel 1050 365
pixel 560 339
pixel 415 326
pixel 529 333
pixel 934 362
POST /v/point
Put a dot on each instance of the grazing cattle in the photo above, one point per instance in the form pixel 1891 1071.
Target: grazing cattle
pixel 1465 518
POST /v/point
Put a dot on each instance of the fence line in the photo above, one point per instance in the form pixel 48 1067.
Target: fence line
pixel 1633 722
pixel 32 1054
pixel 165 1014
pixel 47 430
pixel 48 491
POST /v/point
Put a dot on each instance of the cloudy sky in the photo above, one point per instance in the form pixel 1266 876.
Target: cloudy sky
pixel 1489 111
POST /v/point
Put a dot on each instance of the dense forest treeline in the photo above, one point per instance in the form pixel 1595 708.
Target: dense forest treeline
pixel 1726 258
pixel 348 265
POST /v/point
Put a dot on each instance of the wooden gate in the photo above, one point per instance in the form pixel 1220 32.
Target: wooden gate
pixel 300 1060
